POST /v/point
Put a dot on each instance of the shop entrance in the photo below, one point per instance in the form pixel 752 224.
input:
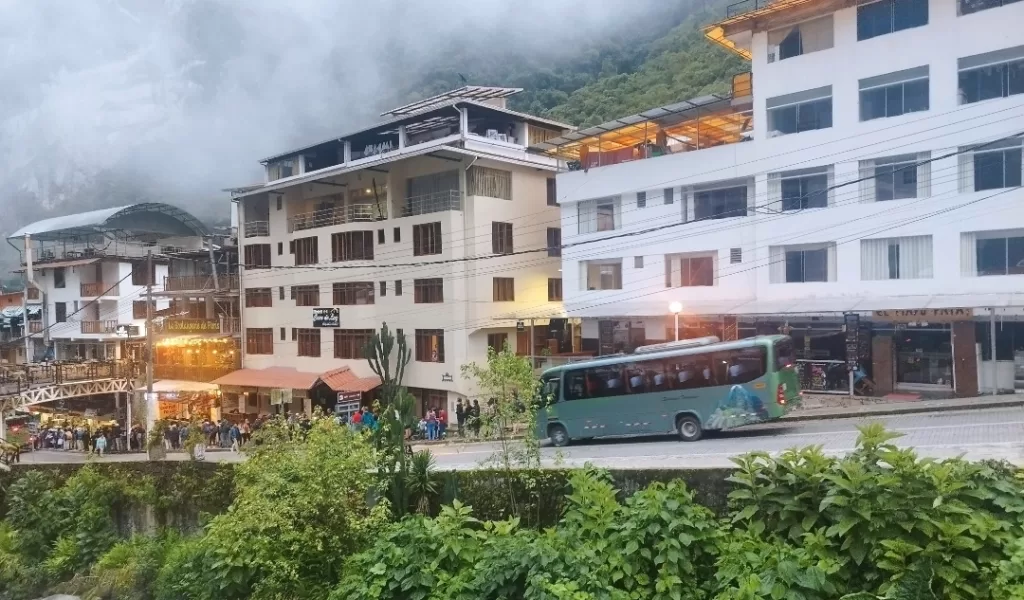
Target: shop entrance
pixel 924 358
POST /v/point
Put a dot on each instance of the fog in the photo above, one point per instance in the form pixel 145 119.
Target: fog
pixel 104 102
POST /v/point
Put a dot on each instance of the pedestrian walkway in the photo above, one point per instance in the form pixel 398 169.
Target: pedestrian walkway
pixel 845 407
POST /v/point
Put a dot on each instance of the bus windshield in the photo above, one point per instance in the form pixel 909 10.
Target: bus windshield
pixel 785 354
pixel 549 388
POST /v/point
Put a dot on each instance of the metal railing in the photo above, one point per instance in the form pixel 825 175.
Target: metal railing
pixel 745 6
pixel 106 326
pixel 15 378
pixel 191 373
pixel 188 283
pixel 92 290
pixel 62 250
pixel 257 229
pixel 432 203
pixel 339 215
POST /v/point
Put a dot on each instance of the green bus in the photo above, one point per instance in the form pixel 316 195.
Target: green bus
pixel 686 387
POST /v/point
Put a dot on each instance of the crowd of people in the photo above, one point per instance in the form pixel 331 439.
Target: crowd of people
pixel 84 436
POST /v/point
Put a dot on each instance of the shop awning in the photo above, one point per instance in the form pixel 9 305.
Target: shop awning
pixel 345 380
pixel 271 378
pixel 166 386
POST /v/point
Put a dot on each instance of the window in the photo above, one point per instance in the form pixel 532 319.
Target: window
pixel 802 38
pixel 493 183
pixel 426 239
pixel 398 234
pixel 999 254
pixel 641 199
pixel 258 297
pixel 428 291
pixel 60 311
pixel 283 335
pixel 805 188
pixel 398 287
pixel 351 293
pixel 305 251
pixel 896 258
pixel 503 289
pixel 888 16
pixel 554 289
pixel 735 256
pixel 994 166
pixel 383 289
pixel 996 74
pixel 350 343
pixel 552 192
pixel 669 194
pixel 721 203
pixel 295 334
pixel 638 262
pixel 280 200
pixel 280 248
pixel 430 345
pixel 352 245
pixel 309 342
pixel 139 309
pixel 501 238
pixel 967 7
pixel 306 295
pixel 380 236
pixel 895 178
pixel 690 270
pixel 257 256
pixel 60 279
pixel 259 340
pixel 554 241
pixel 802 263
pixel 603 275
pixel 894 94
pixel 280 170
pixel 497 341
pixel 139 274
pixel 802 111
pixel 280 293
pixel 598 215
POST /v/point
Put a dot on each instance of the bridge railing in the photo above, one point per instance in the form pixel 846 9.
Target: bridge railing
pixel 17 378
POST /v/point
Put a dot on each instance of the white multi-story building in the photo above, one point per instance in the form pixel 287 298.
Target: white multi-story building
pixel 869 171
pixel 436 221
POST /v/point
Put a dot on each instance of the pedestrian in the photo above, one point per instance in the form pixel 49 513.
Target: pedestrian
pixel 101 444
pixel 431 424
pixel 170 434
pixel 236 437
pixel 442 423
pixel 246 432
pixel 369 419
pixel 183 436
pixel 474 417
pixel 460 417
pixel 225 434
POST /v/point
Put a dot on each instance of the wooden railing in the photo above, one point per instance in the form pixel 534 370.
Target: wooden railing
pixel 99 326
pixel 186 283
pixel 92 290
pixel 35 326
pixel 14 378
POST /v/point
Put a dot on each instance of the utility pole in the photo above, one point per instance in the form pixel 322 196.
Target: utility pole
pixel 151 404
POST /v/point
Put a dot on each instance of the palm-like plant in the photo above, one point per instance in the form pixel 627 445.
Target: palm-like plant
pixel 421 481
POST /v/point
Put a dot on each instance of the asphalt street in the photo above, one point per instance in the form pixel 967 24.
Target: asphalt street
pixel 978 434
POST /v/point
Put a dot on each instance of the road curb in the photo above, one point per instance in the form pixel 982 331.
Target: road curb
pixel 903 410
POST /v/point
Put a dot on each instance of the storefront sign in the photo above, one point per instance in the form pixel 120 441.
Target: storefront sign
pixel 852 323
pixel 925 315
pixel 375 149
pixel 190 326
pixel 326 317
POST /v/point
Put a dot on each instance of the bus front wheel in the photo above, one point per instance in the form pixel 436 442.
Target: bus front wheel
pixel 688 428
pixel 559 436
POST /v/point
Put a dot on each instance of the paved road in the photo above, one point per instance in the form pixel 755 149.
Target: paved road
pixel 979 434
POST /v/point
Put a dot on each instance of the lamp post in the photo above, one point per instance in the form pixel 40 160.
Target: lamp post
pixel 675 308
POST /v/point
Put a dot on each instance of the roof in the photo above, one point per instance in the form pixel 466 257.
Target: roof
pixel 271 377
pixel 667 353
pixel 146 218
pixel 469 92
pixel 345 380
pixel 58 264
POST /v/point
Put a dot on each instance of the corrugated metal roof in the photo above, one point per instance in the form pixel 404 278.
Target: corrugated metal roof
pixel 105 219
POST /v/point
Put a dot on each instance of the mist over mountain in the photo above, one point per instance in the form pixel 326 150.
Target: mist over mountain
pixel 108 102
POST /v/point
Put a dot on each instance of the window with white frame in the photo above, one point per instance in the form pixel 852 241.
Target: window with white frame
pixel 799 39
pixel 989 253
pixel 997 74
pixel 720 203
pixel 801 188
pixel 598 215
pixel 691 269
pixel 803 263
pixel 896 258
pixel 894 94
pixel 888 16
pixel 966 7
pixel 991 166
pixel 895 177
pixel 801 111
pixel 602 274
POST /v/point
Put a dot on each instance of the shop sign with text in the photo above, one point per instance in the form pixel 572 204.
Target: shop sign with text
pixel 190 326
pixel 925 315
pixel 326 317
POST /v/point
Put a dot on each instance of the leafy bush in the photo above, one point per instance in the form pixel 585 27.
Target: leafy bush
pixel 128 571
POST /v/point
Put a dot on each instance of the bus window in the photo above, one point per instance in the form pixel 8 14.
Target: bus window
pixel 549 391
pixel 651 374
pixel 606 381
pixel 575 385
pixel 687 372
pixel 743 365
pixel 785 355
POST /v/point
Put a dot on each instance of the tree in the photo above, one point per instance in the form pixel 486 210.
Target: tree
pixel 397 413
pixel 508 387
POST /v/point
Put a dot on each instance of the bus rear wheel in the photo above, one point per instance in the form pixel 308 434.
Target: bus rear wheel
pixel 559 436
pixel 688 428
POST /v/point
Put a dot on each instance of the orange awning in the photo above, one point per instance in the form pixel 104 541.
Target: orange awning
pixel 345 380
pixel 272 377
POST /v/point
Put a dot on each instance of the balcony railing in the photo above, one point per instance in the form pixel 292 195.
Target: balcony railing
pixel 432 203
pixel 339 215
pixel 92 290
pixel 35 326
pixel 191 373
pixel 189 283
pixel 257 229
pixel 107 326
pixel 14 378
pixel 745 6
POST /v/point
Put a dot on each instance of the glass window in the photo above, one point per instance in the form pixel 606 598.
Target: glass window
pixel 997 169
pixel 697 271
pixel 972 6
pixel 604 276
pixel 641 199
pixel 1000 256
pixel 549 390
pixel 895 180
pixel 804 266
pixel 720 204
pixel 802 116
pixel 575 385
pixel 807 191
pixel 893 100
pixel 691 371
pixel 997 74
pixel 888 16
pixel 606 216
pixel 785 353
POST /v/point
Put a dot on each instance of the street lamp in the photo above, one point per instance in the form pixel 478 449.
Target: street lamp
pixel 675 308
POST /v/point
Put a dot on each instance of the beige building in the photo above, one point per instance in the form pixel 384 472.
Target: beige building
pixel 437 221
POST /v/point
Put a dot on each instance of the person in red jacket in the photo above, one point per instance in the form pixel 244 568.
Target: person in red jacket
pixel 442 423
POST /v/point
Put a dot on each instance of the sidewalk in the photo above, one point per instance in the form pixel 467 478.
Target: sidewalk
pixel 846 407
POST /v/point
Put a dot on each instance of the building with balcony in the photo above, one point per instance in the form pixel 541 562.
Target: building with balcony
pixel 859 190
pixel 437 221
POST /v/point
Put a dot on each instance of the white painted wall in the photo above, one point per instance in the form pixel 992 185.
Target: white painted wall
pixel 745 287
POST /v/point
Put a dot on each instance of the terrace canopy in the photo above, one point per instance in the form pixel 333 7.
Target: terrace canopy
pixel 153 219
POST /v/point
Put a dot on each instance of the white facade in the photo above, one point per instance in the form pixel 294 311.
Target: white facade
pixel 945 217
pixel 339 201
